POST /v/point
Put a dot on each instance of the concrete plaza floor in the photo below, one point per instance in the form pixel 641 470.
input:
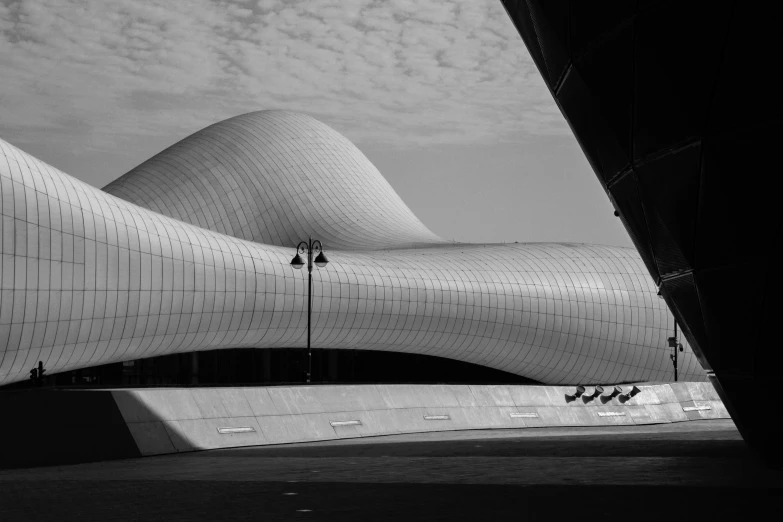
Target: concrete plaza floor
pixel 688 471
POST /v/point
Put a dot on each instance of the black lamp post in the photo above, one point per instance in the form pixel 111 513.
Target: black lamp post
pixel 677 346
pixel 309 247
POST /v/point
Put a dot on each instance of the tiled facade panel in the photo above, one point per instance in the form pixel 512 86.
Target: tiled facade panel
pixel 274 177
pixel 88 279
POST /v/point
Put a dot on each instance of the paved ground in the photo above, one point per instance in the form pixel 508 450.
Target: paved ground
pixel 688 471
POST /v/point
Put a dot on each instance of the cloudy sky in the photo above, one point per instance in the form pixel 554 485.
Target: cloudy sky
pixel 441 95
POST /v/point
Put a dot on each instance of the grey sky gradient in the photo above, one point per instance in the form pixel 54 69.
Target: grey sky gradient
pixel 441 95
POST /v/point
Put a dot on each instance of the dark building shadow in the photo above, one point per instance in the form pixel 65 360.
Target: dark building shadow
pixel 54 427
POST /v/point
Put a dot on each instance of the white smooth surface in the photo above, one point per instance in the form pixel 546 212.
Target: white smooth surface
pixel 88 278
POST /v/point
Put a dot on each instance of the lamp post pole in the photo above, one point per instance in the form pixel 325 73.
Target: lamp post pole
pixel 310 313
pixel 676 346
pixel 310 247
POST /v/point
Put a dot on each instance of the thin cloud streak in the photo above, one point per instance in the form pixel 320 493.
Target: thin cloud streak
pixel 94 74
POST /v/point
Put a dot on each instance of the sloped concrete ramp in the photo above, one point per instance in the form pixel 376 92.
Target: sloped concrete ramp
pixel 133 422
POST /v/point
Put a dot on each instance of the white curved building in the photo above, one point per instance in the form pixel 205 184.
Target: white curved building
pixel 275 177
pixel 190 251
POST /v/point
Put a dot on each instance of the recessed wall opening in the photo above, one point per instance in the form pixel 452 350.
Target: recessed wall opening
pixel 280 366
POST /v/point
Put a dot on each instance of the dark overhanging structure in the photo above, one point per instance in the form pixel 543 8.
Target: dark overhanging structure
pixel 669 103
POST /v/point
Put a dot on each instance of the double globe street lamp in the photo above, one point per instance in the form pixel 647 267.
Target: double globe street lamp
pixel 311 248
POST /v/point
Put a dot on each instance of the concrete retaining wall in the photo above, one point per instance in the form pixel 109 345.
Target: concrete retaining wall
pixel 187 419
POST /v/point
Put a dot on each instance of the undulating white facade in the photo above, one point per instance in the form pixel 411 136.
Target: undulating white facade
pixel 190 251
